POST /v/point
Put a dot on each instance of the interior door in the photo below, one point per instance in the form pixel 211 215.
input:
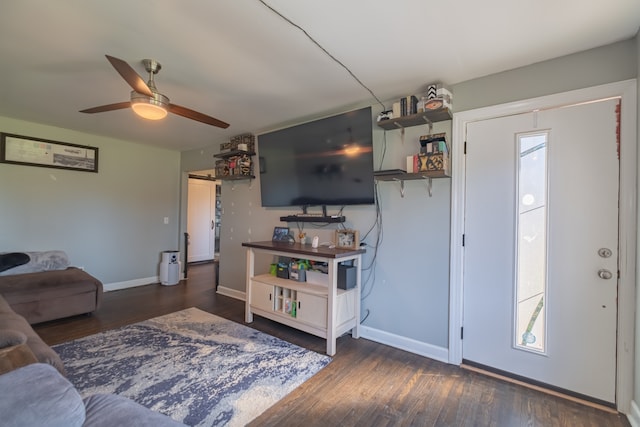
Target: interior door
pixel 541 247
pixel 201 220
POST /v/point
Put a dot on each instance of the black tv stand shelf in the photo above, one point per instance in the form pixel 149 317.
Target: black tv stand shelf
pixel 313 218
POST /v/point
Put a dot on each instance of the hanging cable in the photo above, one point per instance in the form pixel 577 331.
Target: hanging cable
pixel 325 51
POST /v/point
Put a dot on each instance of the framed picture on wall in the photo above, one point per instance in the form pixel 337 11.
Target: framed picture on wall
pixel 25 150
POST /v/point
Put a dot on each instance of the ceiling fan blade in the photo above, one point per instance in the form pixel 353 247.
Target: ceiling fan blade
pixel 108 107
pixel 194 115
pixel 130 76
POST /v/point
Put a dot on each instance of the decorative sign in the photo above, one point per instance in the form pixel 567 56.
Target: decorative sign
pixel 23 150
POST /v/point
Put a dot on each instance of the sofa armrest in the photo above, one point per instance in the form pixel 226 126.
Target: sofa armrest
pixel 11 337
pixel 15 357
pixel 13 327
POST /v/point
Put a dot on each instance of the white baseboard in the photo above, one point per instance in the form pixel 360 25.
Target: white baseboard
pixel 233 293
pixel 131 283
pixel 135 282
pixel 634 415
pixel 403 343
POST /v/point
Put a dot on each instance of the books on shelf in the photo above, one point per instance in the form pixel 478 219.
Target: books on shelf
pixel 409 105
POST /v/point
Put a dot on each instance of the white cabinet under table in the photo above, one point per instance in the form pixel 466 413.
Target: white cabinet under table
pixel 324 311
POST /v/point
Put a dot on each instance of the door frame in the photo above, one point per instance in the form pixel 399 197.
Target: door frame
pixel 627 217
pixel 212 182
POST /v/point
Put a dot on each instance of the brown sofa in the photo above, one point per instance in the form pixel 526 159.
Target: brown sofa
pixel 15 333
pixel 53 294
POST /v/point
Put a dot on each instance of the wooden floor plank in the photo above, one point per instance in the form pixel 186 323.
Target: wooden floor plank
pixel 366 384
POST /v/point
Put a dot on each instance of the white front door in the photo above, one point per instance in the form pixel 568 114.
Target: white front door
pixel 541 247
pixel 201 225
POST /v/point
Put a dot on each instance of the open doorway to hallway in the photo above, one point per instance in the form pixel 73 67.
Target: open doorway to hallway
pixel 203 218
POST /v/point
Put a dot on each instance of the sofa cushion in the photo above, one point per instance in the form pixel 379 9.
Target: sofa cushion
pixel 108 410
pixel 50 284
pixel 39 396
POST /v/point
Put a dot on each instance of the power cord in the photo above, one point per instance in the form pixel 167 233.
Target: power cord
pixel 377 225
pixel 314 41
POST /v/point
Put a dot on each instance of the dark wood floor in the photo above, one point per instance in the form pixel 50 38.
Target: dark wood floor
pixel 366 384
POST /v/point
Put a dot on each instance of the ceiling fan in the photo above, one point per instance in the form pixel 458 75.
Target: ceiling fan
pixel 146 101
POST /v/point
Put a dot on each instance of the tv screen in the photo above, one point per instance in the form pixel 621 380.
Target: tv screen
pixel 324 162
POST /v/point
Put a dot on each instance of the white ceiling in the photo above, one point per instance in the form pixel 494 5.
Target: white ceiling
pixel 238 61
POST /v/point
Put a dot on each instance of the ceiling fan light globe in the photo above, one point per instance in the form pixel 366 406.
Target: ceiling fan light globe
pixel 151 108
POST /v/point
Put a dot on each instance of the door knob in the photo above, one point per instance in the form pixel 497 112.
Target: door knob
pixel 604 274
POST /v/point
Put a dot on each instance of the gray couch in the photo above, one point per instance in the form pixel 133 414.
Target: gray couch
pixel 35 392
pixel 41 396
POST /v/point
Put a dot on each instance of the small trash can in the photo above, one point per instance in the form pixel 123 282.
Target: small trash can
pixel 170 268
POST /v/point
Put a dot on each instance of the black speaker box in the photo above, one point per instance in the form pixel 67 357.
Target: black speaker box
pixel 346 276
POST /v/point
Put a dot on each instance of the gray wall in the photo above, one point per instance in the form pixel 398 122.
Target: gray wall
pixel 406 291
pixel 110 223
pixel 606 64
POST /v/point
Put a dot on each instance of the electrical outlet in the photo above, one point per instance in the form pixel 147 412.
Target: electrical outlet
pixel 166 220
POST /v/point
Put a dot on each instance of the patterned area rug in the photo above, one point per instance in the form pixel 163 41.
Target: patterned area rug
pixel 196 367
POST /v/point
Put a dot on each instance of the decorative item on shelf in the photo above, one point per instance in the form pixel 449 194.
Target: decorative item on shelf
pixel 432 91
pixel 433 104
pixel 244 142
pixel 346 238
pixel 434 143
pixel 411 164
pixel 282 234
pixel 282 267
pixel 297 275
pixel 298 269
pixel 445 94
pixel 222 168
pixel 432 157
pixel 436 96
pixel 282 271
pixel 408 105
pixel 432 162
pixel 385 115
pixel 241 165
pixel 395 110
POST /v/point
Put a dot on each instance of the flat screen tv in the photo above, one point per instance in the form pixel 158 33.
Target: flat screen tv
pixel 327 162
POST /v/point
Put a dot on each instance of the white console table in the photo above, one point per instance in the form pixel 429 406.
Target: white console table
pixel 324 311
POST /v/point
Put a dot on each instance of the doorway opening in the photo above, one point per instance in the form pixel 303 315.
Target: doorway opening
pixel 204 214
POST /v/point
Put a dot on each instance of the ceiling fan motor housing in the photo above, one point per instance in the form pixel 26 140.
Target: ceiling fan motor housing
pixel 155 107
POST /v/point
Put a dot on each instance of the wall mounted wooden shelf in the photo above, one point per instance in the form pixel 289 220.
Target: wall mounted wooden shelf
pixel 426 117
pixel 402 176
